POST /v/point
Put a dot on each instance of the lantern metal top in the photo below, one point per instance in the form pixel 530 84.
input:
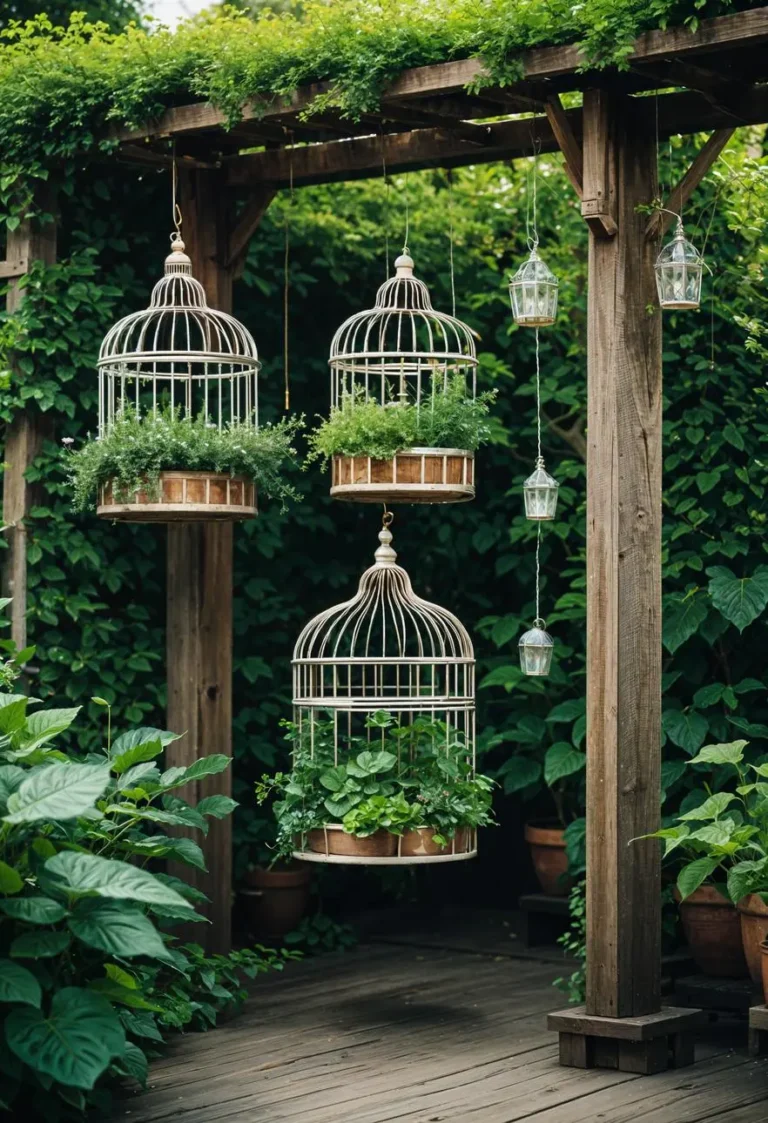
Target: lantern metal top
pixel 537 636
pixel 384 621
pixel 534 270
pixel 540 477
pixel 679 250
pixel 179 353
pixel 402 347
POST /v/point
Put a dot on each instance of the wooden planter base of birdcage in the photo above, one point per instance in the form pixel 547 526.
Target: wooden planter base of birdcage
pixel 332 844
pixel 416 475
pixel 183 497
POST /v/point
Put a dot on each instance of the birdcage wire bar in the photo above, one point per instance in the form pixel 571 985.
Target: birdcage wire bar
pixel 385 649
pixel 179 354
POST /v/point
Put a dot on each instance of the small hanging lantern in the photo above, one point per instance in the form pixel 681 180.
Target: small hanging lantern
pixel 679 269
pixel 536 646
pixel 540 492
pixel 533 292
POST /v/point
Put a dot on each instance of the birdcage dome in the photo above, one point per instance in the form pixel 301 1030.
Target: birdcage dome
pixel 402 348
pixel 385 647
pixel 180 354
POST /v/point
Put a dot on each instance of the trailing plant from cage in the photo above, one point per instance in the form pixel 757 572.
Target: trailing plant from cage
pixel 135 450
pixel 90 977
pixel 446 418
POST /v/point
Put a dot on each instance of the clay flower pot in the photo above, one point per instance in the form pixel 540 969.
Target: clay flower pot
pixel 754 929
pixel 276 899
pixel 419 843
pixel 713 933
pixel 332 839
pixel 547 846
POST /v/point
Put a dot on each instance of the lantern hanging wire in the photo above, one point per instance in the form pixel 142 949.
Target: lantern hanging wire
pixel 679 270
pixel 536 645
pixel 540 489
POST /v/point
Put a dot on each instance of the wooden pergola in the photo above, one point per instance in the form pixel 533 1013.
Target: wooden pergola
pixel 715 79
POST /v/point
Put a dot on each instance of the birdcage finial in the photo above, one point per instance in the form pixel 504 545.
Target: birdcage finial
pixel 177 261
pixel 404 264
pixel 386 555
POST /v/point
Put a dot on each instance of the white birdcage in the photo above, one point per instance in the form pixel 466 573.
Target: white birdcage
pixel 386 654
pixel 402 351
pixel 179 356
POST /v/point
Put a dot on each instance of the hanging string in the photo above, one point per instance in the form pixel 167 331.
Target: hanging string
pixel 538 622
pixel 386 204
pixel 407 216
pixel 538 399
pixel 286 277
pixel 531 212
pixel 176 216
pixel 450 241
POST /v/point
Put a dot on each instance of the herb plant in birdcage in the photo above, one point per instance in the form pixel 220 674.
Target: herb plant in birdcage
pixel 405 418
pixel 383 734
pixel 179 436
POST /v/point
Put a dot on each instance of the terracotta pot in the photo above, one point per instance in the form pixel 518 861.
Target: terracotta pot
pixel 764 968
pixel 754 929
pixel 276 899
pixel 419 843
pixel 547 847
pixel 332 839
pixel 713 932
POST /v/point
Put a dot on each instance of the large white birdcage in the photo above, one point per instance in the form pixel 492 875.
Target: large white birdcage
pixel 403 352
pixel 385 669
pixel 179 354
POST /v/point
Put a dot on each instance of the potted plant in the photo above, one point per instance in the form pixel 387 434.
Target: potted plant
pixel 562 767
pixel 276 894
pixel 403 450
pixel 414 795
pixel 165 467
pixel 722 848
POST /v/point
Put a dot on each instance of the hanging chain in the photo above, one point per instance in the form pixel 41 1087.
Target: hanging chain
pixel 286 276
pixel 451 240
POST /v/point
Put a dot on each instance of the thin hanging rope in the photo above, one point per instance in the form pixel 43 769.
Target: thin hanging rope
pixel 531 203
pixel 176 216
pixel 538 620
pixel 286 279
pixel 386 205
pixel 538 399
pixel 450 241
pixel 407 216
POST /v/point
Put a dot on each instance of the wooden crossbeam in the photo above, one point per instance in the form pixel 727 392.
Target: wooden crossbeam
pixel 742 29
pixel 443 147
pixel 660 222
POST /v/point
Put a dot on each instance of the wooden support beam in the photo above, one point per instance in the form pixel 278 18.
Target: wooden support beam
pixel 247 223
pixel 623 572
pixel 199 596
pixel 562 131
pixel 660 222
pixel 34 240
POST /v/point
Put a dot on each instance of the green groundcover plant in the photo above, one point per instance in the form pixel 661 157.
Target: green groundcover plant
pixel 403 777
pixel 724 839
pixel 136 450
pixel 91 976
pixel 448 419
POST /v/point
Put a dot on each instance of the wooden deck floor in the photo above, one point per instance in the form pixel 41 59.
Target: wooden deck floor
pixel 390 1034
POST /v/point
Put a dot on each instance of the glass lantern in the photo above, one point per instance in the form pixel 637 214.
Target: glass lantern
pixel 536 647
pixel 533 292
pixel 679 269
pixel 540 492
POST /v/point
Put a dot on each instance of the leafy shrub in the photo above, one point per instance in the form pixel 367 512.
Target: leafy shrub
pixel 319 934
pixel 574 943
pixel 366 428
pixel 136 450
pixel 88 979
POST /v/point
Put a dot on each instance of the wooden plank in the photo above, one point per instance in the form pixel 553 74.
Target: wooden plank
pixel 623 573
pixel 566 139
pixel 599 197
pixel 660 222
pixel 34 240
pixel 199 599
pixel 743 29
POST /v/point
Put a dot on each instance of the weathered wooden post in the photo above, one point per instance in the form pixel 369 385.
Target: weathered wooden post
pixel 623 1025
pixel 199 592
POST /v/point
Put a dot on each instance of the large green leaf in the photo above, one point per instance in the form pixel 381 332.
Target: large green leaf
pixel 178 849
pixel 10 778
pixel 694 874
pixel 207 766
pixel 687 728
pixel 10 880
pixel 711 808
pixel 219 806
pixel 73 1043
pixel 748 877
pixel 90 875
pixel 13 713
pixel 730 753
pixel 740 599
pixel 62 790
pixel 138 775
pixel 116 929
pixel 34 910
pixel 567 711
pixel 17 984
pixel 518 772
pixel 39 945
pixel 44 725
pixel 133 1062
pixel 136 754
pixel 562 760
pixel 142 736
pixel 681 619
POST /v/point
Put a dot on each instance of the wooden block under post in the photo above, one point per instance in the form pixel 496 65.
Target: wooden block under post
pixel 645 1044
pixel 758 1031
